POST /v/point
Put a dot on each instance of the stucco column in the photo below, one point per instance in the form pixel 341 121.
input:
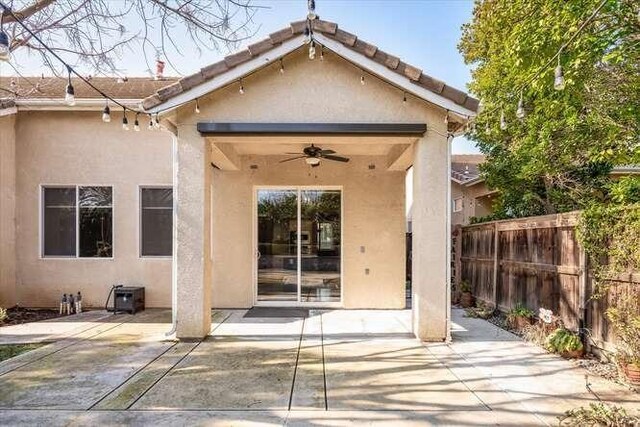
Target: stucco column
pixel 193 232
pixel 430 234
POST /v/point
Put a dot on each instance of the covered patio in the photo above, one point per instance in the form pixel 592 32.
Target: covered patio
pixel 289 179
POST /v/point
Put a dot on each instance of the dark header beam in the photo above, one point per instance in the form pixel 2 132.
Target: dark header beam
pixel 298 129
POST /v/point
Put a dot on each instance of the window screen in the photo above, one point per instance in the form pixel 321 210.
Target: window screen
pixel 59 222
pixel 156 221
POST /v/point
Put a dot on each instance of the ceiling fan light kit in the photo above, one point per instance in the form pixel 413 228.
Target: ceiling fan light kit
pixel 312 156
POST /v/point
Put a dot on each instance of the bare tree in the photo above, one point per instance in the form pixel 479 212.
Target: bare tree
pixel 94 33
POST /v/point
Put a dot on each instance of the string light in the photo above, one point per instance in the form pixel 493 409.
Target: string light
pixel 404 98
pixel 558 81
pixel 446 118
pixel 503 121
pixel 321 53
pixel 125 122
pixel 362 80
pixel 197 109
pixel 241 90
pixel 157 122
pixel 5 51
pixel 520 113
pixel 69 96
pixel 106 113
pixel 312 50
pixel 151 122
pixel 281 67
pixel 136 124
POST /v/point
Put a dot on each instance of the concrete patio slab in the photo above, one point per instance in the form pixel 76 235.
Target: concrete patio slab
pixel 77 376
pixel 245 364
pixel 335 367
pixel 52 329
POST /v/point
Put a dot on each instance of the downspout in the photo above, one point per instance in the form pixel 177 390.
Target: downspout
pixel 174 264
pixel 448 240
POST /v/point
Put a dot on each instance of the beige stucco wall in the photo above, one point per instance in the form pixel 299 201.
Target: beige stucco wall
pixel 7 212
pixel 476 201
pixel 373 217
pixel 77 148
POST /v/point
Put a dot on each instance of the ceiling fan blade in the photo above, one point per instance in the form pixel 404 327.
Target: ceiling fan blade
pixel 295 154
pixel 336 158
pixel 324 152
pixel 292 158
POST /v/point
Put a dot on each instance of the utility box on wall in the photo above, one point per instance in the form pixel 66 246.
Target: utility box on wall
pixel 129 299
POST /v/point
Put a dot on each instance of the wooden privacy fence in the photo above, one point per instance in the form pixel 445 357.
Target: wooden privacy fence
pixel 536 262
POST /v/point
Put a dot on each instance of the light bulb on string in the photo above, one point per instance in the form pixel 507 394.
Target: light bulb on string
pixel 5 51
pixel 69 95
pixel 106 113
pixel 241 90
pixel 321 53
pixel 197 109
pixel 362 80
pixel 136 124
pixel 125 121
pixel 503 121
pixel 404 98
pixel 558 81
pixel 156 122
pixel 281 67
pixel 520 113
pixel 446 118
pixel 151 122
pixel 312 50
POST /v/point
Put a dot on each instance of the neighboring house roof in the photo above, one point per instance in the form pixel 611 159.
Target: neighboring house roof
pixel 465 168
pixel 136 88
pixel 332 35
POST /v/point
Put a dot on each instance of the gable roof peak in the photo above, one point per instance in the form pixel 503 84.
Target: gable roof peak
pixel 328 33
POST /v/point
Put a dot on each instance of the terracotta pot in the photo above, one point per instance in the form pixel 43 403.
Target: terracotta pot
pixel 520 322
pixel 632 372
pixel 573 354
pixel 466 299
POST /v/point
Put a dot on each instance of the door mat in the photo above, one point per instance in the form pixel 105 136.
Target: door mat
pixel 277 312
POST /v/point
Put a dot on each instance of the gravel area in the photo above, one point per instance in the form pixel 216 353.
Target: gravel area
pixel 18 315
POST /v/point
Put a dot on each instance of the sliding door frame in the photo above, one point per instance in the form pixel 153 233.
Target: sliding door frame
pixel 299 303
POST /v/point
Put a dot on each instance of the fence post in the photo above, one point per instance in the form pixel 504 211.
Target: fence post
pixel 457 263
pixel 496 265
pixel 583 277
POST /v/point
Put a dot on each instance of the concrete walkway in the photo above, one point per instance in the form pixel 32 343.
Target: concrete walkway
pixel 331 368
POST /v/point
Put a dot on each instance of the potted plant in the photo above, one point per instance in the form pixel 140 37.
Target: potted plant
pixel 519 317
pixel 466 297
pixel 565 342
pixel 624 317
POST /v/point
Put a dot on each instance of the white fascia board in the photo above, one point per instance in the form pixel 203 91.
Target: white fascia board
pixel 230 76
pixel 82 104
pixel 391 76
pixel 8 111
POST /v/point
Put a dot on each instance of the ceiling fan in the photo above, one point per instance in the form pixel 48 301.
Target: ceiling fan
pixel 313 154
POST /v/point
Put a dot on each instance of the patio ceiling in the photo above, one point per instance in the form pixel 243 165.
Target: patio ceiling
pixel 227 150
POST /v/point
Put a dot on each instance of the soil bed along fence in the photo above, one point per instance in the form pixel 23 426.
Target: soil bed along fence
pixel 536 262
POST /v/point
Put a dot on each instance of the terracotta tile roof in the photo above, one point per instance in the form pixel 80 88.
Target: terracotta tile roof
pixel 330 30
pixel 466 167
pixel 54 87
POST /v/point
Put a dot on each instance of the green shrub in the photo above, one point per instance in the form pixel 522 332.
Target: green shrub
pixel 562 340
pixel 520 311
pixel 598 414
pixel 464 286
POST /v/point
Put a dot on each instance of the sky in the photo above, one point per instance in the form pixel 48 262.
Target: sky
pixel 424 33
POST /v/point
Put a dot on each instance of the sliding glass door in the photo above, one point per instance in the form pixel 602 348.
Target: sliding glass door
pixel 299 245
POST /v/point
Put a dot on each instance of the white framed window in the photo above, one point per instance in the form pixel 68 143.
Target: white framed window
pixel 156 221
pixel 77 221
pixel 457 204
